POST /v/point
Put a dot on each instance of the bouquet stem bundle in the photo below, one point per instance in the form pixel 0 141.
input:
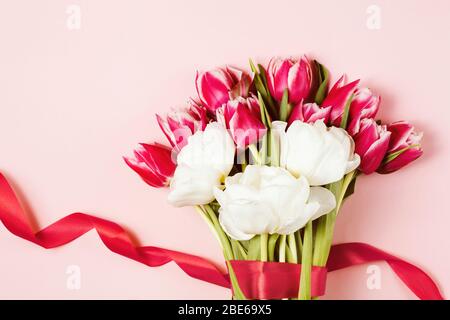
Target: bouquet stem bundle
pixel 309 246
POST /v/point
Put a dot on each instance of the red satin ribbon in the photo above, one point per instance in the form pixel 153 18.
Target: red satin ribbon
pixel 257 280
pixel 273 280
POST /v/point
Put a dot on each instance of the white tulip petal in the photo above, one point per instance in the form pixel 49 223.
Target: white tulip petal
pixel 231 229
pixel 323 155
pixel 220 196
pixel 324 198
pixel 213 148
pixel 353 163
pixel 230 180
pixel 264 199
pixel 301 220
pixel 252 217
pixel 193 186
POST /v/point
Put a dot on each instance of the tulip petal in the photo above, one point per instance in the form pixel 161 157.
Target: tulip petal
pixel 366 137
pixel 401 131
pixel 313 151
pixel 372 159
pixel 192 186
pixel 337 99
pixel 159 157
pixel 245 127
pixel 353 163
pixel 166 130
pixel 307 212
pixel 277 78
pixel 312 112
pixel 299 81
pixel 230 227
pixel 145 173
pixel 363 106
pixel 325 198
pixel 296 113
pixel 213 88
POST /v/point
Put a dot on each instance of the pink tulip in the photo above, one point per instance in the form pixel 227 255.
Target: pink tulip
pixel 242 117
pixel 371 143
pixel 153 162
pixel 363 106
pixel 337 98
pixel 404 147
pixel 309 112
pixel 181 124
pixel 295 76
pixel 218 86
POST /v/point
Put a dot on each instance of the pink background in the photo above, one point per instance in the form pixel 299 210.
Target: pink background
pixel 73 102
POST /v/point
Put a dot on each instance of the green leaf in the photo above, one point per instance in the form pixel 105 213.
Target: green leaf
pixel 265 117
pixel 260 82
pixel 285 107
pixel 252 66
pixel 351 187
pixel 254 248
pixel 323 76
pixel 395 154
pixel 346 112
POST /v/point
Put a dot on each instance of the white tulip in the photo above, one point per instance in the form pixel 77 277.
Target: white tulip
pixel 202 164
pixel 266 199
pixel 323 155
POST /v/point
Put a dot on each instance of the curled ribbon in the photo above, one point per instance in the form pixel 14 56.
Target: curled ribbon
pixel 258 280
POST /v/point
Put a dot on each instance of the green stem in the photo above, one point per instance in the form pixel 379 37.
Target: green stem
pixel 305 276
pixel 227 250
pixel 325 224
pixel 282 249
pixel 211 226
pixel 255 153
pixel 298 237
pixel 274 151
pixel 293 247
pixel 272 243
pixel 264 238
pixel 238 294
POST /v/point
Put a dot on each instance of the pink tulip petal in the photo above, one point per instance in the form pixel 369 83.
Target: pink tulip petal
pixel 242 82
pixel 279 71
pixel 366 137
pixel 312 112
pixel 372 159
pixel 296 113
pixel 245 127
pixel 143 171
pixel 213 88
pixel 337 98
pixel 299 81
pixel 354 126
pixel 166 130
pixel 364 105
pixel 401 130
pixel 173 125
pixel 159 157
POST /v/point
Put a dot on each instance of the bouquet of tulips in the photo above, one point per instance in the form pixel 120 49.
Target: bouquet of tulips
pixel 268 158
